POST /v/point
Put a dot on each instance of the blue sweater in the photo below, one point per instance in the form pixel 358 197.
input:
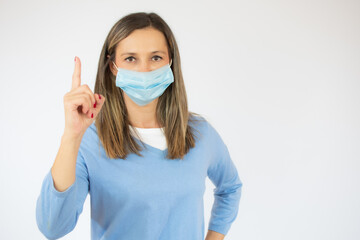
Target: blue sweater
pixel 144 198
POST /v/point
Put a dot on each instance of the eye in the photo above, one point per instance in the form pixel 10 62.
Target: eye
pixel 129 58
pixel 156 56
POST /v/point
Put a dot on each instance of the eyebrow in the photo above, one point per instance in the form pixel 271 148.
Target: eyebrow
pixel 131 53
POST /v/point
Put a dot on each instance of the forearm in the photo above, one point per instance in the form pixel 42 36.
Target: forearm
pixel 212 235
pixel 63 169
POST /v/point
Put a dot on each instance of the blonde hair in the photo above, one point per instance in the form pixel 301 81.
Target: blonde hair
pixel 112 122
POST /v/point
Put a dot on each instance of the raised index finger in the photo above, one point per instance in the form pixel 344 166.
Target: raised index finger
pixel 76 78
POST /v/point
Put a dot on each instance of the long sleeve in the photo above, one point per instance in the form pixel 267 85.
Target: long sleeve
pixel 57 212
pixel 223 174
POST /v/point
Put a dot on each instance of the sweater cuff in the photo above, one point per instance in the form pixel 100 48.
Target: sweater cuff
pixel 56 192
pixel 223 229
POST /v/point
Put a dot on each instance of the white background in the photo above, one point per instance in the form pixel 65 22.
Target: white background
pixel 279 80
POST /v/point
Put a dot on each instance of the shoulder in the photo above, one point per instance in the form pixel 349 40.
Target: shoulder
pixel 203 124
pixel 211 140
pixel 198 123
pixel 90 138
pixel 91 132
pixel 92 128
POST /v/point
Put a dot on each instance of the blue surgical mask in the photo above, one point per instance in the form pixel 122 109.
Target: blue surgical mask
pixel 144 87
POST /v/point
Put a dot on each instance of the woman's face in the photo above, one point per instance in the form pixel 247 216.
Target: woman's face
pixel 143 50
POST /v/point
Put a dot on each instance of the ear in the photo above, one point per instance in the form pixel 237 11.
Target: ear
pixel 112 68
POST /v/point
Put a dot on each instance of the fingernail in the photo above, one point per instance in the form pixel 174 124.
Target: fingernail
pixel 92 115
pixel 95 105
pixel 75 59
pixel 99 96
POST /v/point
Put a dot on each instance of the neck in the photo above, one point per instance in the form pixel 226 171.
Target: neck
pixel 142 116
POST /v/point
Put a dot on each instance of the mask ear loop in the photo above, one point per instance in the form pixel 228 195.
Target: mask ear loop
pixel 115 66
pixel 170 62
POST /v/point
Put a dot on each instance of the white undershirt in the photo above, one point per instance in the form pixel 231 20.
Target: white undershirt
pixel 153 136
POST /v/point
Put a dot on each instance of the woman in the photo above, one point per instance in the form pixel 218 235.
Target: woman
pixel 149 192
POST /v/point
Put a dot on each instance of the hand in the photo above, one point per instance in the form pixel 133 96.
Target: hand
pixel 79 105
pixel 212 235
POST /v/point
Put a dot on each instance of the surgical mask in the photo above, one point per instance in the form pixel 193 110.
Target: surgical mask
pixel 144 87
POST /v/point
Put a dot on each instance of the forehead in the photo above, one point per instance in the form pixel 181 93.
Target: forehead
pixel 143 41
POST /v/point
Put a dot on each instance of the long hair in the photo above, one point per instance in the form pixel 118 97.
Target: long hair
pixel 112 122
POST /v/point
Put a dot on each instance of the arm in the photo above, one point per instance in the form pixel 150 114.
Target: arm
pixel 59 205
pixel 212 235
pixel 63 169
pixel 223 174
